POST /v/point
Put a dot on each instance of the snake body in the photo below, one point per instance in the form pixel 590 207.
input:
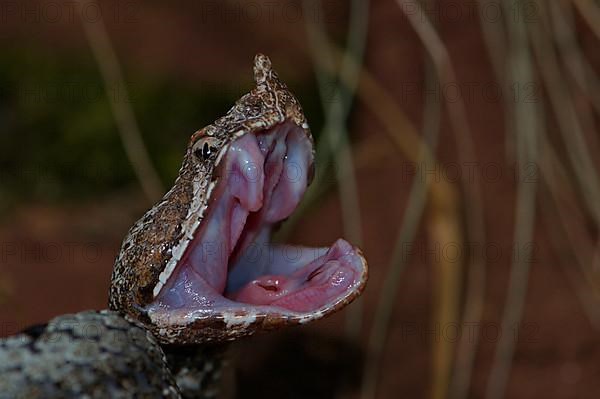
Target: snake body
pixel 141 347
pixel 93 354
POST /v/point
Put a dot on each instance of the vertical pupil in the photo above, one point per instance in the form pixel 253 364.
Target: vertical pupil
pixel 205 150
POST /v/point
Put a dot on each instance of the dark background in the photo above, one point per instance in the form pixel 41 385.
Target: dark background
pixel 485 254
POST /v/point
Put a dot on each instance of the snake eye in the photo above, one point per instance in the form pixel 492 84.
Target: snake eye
pixel 205 148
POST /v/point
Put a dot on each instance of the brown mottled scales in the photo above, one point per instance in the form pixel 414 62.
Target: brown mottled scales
pixel 130 351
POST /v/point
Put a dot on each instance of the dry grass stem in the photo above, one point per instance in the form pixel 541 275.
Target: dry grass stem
pixel 443 355
pixel 527 129
pixel 123 113
pixel 337 108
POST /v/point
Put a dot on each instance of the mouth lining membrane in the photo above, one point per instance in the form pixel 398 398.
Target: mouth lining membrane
pixel 231 265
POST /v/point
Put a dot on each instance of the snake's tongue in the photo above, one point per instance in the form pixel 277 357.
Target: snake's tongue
pixel 230 264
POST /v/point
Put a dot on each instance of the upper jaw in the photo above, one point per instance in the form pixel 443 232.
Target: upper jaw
pixel 231 281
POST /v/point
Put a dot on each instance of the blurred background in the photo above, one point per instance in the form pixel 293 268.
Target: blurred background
pixel 457 145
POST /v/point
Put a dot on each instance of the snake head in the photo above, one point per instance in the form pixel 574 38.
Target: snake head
pixel 199 266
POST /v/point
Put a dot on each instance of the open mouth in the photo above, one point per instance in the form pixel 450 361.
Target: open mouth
pixel 231 268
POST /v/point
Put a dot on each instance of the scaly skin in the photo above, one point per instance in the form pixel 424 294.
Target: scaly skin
pixel 123 352
pixel 100 354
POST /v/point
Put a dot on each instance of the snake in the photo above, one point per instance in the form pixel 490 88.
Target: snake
pixel 198 270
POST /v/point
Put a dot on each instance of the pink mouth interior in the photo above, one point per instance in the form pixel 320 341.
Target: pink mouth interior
pixel 230 262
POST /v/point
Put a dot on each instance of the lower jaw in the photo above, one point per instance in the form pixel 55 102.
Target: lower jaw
pixel 334 281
